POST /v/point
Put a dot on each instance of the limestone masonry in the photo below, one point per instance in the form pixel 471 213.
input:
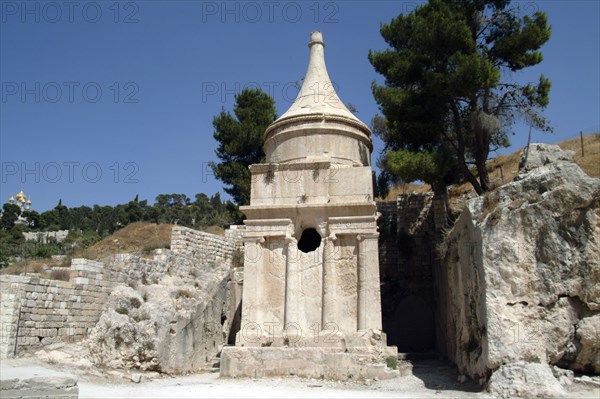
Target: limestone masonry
pixel 311 285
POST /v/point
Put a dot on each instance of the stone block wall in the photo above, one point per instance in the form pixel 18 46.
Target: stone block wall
pixel 37 311
pixel 207 247
pixel 43 236
pixel 409 228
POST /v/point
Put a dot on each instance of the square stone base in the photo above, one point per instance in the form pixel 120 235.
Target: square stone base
pixel 309 362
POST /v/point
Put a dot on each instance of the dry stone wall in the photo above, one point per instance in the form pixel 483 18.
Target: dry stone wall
pixel 409 229
pixel 208 247
pixel 45 236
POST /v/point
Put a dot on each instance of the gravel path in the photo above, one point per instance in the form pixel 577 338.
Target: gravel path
pixel 431 379
pixel 210 386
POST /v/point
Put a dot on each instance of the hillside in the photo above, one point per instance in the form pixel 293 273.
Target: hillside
pixel 139 237
pixel 135 237
pixel 504 168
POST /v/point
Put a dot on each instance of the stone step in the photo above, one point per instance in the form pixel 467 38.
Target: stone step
pixel 36 382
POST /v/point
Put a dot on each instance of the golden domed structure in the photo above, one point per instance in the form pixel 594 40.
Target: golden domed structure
pixel 21 200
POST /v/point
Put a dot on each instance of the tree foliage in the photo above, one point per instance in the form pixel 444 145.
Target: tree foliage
pixel 240 138
pixel 448 99
pixel 87 225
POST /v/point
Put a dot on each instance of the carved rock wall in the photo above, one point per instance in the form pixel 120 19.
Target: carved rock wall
pixel 520 281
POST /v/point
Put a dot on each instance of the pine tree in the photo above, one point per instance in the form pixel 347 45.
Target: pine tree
pixel 240 141
pixel 445 101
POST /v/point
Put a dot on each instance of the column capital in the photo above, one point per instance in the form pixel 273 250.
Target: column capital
pixel 332 237
pixel 367 236
pixel 253 239
pixel 290 239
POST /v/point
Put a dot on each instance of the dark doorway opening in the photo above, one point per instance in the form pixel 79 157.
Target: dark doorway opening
pixel 309 240
pixel 236 324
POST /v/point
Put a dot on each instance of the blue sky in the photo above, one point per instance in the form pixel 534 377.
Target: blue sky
pixel 103 100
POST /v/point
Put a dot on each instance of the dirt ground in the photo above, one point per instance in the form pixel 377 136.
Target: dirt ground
pixel 431 378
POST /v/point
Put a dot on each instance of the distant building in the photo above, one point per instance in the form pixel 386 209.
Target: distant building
pixel 43 236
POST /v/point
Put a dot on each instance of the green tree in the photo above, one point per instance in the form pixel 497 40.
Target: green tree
pixel 10 214
pixel 448 99
pixel 240 139
pixel 33 219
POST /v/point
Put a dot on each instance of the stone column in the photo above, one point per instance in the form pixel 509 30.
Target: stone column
pixel 330 311
pixel 252 293
pixel 369 296
pixel 292 282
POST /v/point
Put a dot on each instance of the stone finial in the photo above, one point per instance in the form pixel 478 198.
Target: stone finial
pixel 318 95
pixel 316 37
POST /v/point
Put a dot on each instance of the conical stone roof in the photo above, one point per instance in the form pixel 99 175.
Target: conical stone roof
pixel 318 110
pixel 317 95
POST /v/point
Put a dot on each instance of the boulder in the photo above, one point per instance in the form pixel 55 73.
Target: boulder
pixel 525 380
pixel 540 154
pixel 588 334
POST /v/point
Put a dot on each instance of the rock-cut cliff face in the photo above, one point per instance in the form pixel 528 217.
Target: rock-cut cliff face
pixel 520 280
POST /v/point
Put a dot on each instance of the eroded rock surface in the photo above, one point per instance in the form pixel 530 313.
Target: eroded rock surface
pixel 175 324
pixel 518 380
pixel 520 281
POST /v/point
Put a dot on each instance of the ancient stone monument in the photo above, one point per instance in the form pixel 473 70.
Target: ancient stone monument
pixel 311 296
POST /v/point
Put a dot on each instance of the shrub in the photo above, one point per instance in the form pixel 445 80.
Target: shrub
pixel 155 243
pixel 122 310
pixel 60 274
pixel 391 362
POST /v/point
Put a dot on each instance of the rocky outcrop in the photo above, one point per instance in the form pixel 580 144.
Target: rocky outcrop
pixel 168 327
pixel 175 316
pixel 539 154
pixel 520 281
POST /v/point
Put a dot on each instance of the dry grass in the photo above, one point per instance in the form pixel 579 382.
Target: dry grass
pixel 62 274
pixel 407 188
pixel 31 266
pixel 590 163
pixel 504 168
pixel 135 237
pixel 217 230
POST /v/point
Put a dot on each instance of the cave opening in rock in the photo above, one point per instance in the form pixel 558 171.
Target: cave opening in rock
pixel 309 240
